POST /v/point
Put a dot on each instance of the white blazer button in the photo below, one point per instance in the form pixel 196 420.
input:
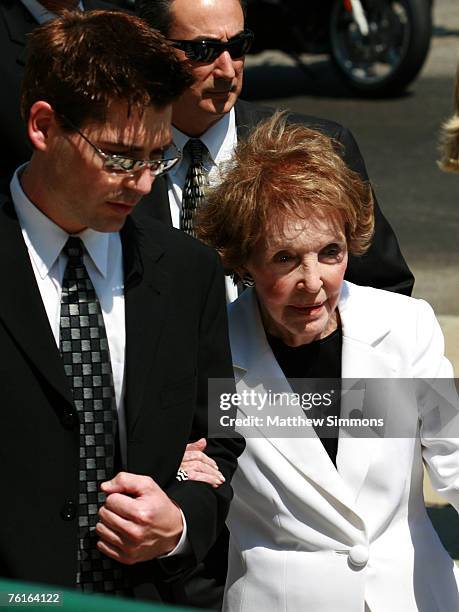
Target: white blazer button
pixel 358 555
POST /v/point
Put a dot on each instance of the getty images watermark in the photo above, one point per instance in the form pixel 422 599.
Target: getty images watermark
pixel 361 408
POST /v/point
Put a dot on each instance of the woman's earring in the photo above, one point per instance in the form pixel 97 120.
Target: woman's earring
pixel 247 280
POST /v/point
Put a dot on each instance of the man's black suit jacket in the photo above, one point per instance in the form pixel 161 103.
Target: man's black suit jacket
pixel 383 266
pixel 16 23
pixel 176 338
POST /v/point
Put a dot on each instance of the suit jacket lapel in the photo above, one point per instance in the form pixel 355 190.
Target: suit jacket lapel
pixel 362 360
pixel 253 360
pixel 23 313
pixel 247 117
pixel 21 307
pixel 160 200
pixel 243 120
pixel 145 294
pixel 155 205
pixel 355 454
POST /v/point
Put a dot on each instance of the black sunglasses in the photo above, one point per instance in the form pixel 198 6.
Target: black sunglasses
pixel 208 50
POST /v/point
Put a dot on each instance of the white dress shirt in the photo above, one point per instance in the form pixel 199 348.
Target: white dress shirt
pixel 220 140
pixel 45 241
pixel 104 262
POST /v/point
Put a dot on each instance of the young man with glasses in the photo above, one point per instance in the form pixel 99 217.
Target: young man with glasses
pixel 109 330
pixel 211 38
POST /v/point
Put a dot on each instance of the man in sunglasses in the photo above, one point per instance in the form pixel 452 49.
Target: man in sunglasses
pixel 209 36
pixel 109 330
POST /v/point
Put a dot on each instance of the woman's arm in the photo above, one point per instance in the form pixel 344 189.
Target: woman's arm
pixel 197 466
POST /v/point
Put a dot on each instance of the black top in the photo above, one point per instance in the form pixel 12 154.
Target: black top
pixel 306 366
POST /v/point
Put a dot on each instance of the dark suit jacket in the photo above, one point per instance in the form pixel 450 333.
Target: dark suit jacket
pixel 383 266
pixel 15 24
pixel 176 338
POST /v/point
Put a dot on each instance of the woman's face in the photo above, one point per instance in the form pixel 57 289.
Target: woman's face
pixel 298 271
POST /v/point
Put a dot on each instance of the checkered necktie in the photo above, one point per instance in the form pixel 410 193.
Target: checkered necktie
pixel 195 181
pixel 85 352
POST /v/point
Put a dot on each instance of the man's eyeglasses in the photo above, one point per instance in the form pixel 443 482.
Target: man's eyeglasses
pixel 129 165
pixel 208 50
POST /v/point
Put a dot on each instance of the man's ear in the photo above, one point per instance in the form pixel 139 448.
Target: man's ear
pixel 42 119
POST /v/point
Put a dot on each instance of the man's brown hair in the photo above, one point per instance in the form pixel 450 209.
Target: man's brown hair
pixel 83 61
pixel 283 169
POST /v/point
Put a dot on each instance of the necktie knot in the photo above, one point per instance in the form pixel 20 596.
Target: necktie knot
pixel 196 149
pixel 74 248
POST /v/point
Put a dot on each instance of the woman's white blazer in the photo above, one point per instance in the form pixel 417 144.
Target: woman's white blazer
pixel 306 536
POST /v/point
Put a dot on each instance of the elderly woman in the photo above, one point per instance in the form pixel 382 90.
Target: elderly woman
pixel 325 523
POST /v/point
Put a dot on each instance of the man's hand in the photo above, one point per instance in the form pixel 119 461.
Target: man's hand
pixel 138 521
pixel 198 466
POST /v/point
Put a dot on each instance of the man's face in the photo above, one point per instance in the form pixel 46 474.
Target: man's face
pixel 82 192
pixel 217 84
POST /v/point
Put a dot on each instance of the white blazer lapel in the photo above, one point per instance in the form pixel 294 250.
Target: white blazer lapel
pixel 256 369
pixel 363 329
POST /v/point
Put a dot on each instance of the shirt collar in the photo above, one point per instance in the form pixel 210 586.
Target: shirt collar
pixel 45 240
pixel 219 138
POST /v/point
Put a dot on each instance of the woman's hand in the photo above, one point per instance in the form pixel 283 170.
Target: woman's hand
pixel 197 466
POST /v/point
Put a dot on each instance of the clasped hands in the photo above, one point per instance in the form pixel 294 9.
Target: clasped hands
pixel 138 521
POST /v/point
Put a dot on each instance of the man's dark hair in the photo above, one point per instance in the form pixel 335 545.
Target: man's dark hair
pixel 84 61
pixel 158 14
